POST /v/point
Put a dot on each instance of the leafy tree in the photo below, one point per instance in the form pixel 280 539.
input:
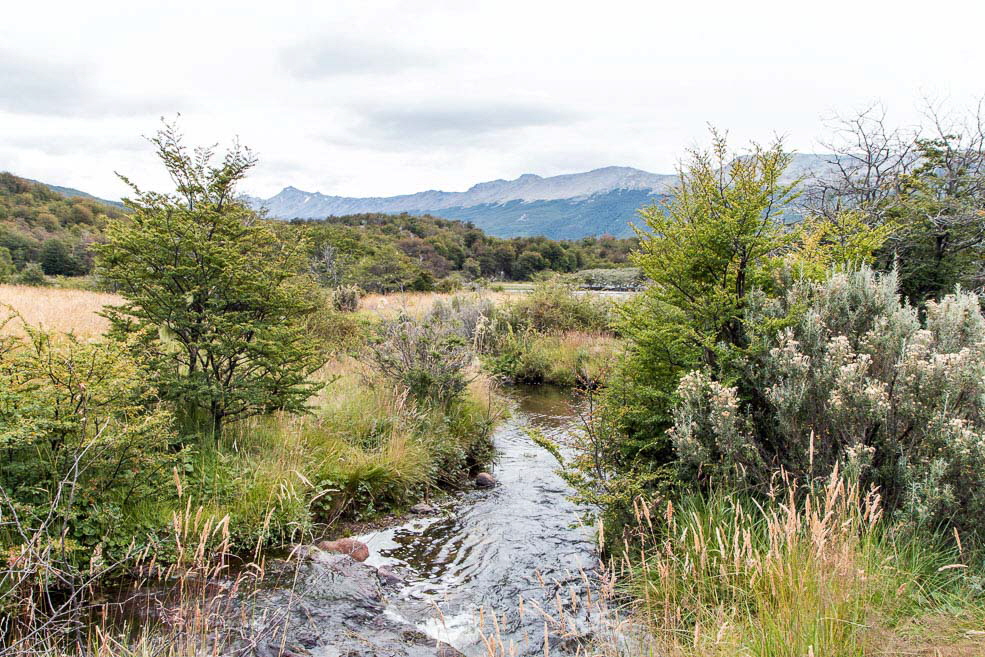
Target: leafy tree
pixel 941 206
pixel 928 183
pixel 218 302
pixel 706 250
pixel 57 259
pixel 529 263
pixel 7 269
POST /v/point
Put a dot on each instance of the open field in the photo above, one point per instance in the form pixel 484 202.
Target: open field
pixel 416 304
pixel 59 310
pixel 77 311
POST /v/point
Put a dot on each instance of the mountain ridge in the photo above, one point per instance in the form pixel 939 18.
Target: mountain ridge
pixel 566 206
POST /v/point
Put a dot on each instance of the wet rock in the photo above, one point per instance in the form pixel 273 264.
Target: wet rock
pixel 415 637
pixel 349 546
pixel 485 480
pixel 388 576
pixel 423 508
pixel 442 649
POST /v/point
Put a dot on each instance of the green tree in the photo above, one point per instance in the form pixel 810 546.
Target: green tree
pixel 529 263
pixel 941 206
pixel 7 269
pixel 718 238
pixel 57 259
pixel 218 302
pixel 706 250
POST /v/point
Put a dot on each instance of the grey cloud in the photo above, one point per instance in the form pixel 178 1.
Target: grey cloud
pixel 332 57
pixel 32 86
pixel 58 145
pixel 458 122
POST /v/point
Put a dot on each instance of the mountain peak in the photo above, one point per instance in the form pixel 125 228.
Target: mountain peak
pixel 570 205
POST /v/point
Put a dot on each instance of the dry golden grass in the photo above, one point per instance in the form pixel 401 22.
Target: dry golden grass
pixel 75 311
pixel 416 304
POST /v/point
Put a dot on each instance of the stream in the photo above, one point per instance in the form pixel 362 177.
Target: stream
pixel 500 571
pixel 520 540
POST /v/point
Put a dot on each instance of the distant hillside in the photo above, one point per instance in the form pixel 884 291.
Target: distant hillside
pixel 599 202
pixel 43 225
pixel 54 228
pixel 384 253
pixel 75 193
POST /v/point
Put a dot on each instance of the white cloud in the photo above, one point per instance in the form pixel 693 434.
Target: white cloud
pixel 380 97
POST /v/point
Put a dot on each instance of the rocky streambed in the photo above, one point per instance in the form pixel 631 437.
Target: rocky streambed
pixel 499 571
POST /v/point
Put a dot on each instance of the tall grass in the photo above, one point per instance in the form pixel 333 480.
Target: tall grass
pixel 59 310
pixel 363 450
pixel 418 304
pixel 813 574
pixel 569 359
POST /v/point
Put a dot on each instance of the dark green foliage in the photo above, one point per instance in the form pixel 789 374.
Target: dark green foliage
pixel 7 268
pixel 389 253
pixel 217 301
pixel 39 225
pixel 57 259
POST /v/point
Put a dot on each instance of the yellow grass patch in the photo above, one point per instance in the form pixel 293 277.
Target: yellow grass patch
pixel 416 304
pixel 59 310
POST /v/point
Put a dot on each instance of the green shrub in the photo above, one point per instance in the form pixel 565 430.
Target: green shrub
pixel 84 439
pixel 345 298
pixel 554 307
pixel 32 274
pixel 429 358
pixel 857 378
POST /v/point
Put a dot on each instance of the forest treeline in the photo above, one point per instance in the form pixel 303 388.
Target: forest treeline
pixel 43 233
pixel 386 253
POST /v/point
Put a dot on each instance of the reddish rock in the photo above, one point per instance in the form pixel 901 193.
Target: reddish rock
pixel 350 546
pixel 485 480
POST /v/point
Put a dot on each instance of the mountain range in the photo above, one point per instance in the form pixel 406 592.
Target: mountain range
pixel 598 202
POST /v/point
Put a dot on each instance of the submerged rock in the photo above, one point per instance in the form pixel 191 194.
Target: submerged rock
pixel 349 546
pixel 388 576
pixel 485 480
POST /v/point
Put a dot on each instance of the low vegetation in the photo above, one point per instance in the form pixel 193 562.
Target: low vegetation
pixel 553 335
pixel 215 394
pixel 802 414
pixel 806 573
pixel 783 440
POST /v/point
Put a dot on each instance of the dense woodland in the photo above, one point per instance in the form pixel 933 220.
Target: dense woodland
pixel 385 253
pixel 40 228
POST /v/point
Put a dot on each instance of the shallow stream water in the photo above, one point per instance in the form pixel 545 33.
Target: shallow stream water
pixel 501 571
pixel 518 550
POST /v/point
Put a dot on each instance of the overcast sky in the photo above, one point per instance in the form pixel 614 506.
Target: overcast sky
pixel 375 98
